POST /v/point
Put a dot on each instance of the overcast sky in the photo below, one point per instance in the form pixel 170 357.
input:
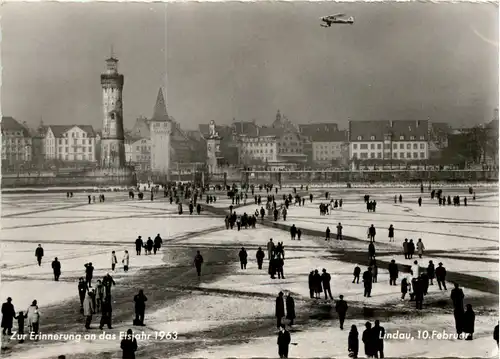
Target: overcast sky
pixel 246 60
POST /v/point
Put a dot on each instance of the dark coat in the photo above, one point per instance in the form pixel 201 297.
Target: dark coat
pixel 430 271
pixel 284 339
pixel 353 342
pixel 39 252
pixel 290 308
pixel 325 279
pixel 138 244
pixel 140 302
pixel 457 296
pixel 243 256
pixel 391 232
pixel 311 281
pixel 469 319
pixel 56 267
pixel 378 333
pixel 367 279
pixel 129 348
pixel 441 273
pixel 260 255
pixel 404 285
pixel 341 307
pixel 317 283
pixel 280 307
pixel 368 341
pixel 8 314
pixel 371 249
pixel 393 270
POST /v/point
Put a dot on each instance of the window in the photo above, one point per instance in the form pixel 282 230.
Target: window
pixel 415 146
pixel 412 138
pixel 363 146
pixel 422 154
pixel 422 138
pixel 379 155
pixel 401 146
pixel 394 155
pixel 408 146
pixel 372 138
pixel 372 155
pixel 408 154
pixel 415 154
pixel 401 138
pixel 372 146
pixel 363 154
pixel 379 146
pixel 422 146
pixel 355 146
pixel 359 138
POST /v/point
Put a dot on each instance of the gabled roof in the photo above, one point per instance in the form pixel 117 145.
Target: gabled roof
pixel 377 129
pixel 327 136
pixel 60 130
pixel 141 128
pixel 160 109
pixel 311 129
pixel 269 131
pixel 10 124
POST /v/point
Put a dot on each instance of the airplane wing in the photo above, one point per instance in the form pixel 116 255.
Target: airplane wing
pixel 336 15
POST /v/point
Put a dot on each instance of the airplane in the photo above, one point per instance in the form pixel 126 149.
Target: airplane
pixel 336 19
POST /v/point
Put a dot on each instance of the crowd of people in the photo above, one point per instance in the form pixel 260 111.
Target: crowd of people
pixel 96 299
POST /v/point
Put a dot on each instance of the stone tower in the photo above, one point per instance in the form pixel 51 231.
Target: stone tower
pixel 160 130
pixel 112 140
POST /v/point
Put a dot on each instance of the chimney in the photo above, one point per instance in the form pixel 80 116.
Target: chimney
pixel 418 123
pixel 391 124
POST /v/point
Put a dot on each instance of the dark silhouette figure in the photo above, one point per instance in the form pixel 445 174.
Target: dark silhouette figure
pixel 280 309
pixel 353 342
pixel 56 268
pixel 457 297
pixel 356 273
pixel 129 346
pixel 495 334
pixel 325 279
pixel 243 258
pixel 469 319
pixel 393 272
pixel 140 308
pixel 260 257
pixel 106 311
pixel 441 276
pixel 378 336
pixel 39 254
pixel 290 308
pixel 341 309
pixel 368 341
pixel 198 261
pixel 138 245
pixel 284 340
pixel 8 315
pixel 368 282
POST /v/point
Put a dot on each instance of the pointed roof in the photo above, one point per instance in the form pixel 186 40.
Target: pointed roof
pixel 160 110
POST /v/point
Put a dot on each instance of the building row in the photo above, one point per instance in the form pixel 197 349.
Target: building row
pixel 281 145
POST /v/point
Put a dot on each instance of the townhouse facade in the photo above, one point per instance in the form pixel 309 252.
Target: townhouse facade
pixel 389 140
pixel 330 147
pixel 16 142
pixel 70 143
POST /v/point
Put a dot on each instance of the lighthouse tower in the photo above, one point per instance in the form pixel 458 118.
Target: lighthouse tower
pixel 112 140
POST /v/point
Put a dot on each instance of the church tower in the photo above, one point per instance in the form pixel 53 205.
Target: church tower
pixel 112 140
pixel 160 127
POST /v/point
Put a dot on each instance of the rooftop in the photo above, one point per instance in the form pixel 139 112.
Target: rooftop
pixel 375 130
